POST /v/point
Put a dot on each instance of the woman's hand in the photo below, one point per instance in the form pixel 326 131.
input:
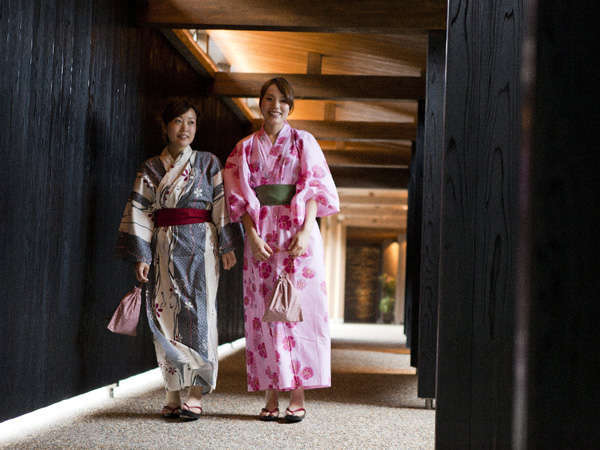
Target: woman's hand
pixel 260 249
pixel 299 243
pixel 141 271
pixel 228 259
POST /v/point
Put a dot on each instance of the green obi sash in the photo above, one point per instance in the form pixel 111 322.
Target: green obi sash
pixel 275 194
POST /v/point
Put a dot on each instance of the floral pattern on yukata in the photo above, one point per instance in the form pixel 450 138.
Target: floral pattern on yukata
pixel 280 355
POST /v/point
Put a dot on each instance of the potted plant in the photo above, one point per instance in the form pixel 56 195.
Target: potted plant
pixel 388 298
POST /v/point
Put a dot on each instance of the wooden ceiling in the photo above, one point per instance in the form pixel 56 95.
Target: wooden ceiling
pixel 357 68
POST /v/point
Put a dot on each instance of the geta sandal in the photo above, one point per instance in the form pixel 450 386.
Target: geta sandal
pixel 291 417
pixel 267 415
pixel 187 413
pixel 170 412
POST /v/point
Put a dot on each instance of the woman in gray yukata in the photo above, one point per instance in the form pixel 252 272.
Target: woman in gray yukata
pixel 175 227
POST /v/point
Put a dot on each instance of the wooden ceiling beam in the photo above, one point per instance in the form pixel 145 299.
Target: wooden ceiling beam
pixel 389 158
pixel 382 16
pixel 374 222
pixel 374 210
pixel 372 178
pixel 349 131
pixel 319 87
pixel 358 196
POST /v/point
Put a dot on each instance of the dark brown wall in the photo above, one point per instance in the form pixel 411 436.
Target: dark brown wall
pixel 558 305
pixel 80 88
pixel 479 225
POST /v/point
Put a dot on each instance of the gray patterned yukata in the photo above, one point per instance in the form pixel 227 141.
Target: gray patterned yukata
pixel 184 260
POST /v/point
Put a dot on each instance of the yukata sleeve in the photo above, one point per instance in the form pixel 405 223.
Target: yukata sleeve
pixel 314 181
pixel 241 198
pixel 229 233
pixel 137 226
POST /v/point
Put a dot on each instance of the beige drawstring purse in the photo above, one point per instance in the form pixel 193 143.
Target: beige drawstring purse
pixel 284 304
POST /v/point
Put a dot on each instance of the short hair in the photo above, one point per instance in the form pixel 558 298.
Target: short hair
pixel 176 107
pixel 284 87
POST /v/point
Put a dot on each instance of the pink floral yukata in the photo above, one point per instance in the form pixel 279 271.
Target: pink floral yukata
pixel 283 356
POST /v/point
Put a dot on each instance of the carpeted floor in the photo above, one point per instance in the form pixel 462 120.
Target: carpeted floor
pixel 373 404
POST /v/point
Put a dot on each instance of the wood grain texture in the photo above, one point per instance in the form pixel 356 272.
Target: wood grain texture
pixel 376 158
pixel 558 269
pixel 398 54
pixel 346 130
pixel 352 15
pixel 367 177
pixel 432 204
pixel 413 243
pixel 85 88
pixel 477 285
pixel 333 87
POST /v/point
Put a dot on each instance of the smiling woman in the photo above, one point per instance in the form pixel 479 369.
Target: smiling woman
pixel 277 183
pixel 176 220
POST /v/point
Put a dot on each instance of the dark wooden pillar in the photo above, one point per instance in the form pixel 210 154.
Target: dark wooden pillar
pixel 558 306
pixel 413 241
pixel 477 286
pixel 432 204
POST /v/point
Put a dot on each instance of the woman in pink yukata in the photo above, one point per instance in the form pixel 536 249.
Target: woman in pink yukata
pixel 277 182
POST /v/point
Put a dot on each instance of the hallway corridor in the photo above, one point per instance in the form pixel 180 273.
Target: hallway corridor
pixel 373 404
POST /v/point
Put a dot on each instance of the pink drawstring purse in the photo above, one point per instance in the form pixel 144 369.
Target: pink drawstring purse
pixel 127 314
pixel 284 304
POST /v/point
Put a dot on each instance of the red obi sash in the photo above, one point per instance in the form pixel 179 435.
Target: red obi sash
pixel 180 216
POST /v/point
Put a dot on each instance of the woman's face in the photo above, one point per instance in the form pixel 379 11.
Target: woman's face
pixel 182 129
pixel 273 107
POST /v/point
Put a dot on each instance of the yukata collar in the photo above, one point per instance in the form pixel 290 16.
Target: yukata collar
pixel 169 162
pixel 285 132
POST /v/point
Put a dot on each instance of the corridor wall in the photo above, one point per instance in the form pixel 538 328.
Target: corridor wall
pixel 81 88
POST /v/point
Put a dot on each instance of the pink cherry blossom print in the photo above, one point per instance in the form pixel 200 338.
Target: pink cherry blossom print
pixel 291 324
pixel 264 290
pixel 277 356
pixel 249 358
pixel 256 324
pixel 265 270
pixel 254 167
pixel 320 199
pixel 307 272
pixel 285 223
pixel 275 150
pixel 318 171
pixel 289 264
pixel 157 310
pixel 263 213
pixel 246 300
pixel 307 373
pixel 289 343
pixel 262 350
pixel 307 253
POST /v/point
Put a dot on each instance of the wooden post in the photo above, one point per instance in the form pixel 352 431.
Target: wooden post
pixel 479 225
pixel 413 241
pixel 432 204
pixel 558 306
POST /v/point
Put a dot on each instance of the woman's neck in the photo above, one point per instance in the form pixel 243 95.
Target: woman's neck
pixel 175 150
pixel 272 130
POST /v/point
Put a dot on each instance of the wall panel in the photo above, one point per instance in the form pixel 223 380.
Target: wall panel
pixel 81 90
